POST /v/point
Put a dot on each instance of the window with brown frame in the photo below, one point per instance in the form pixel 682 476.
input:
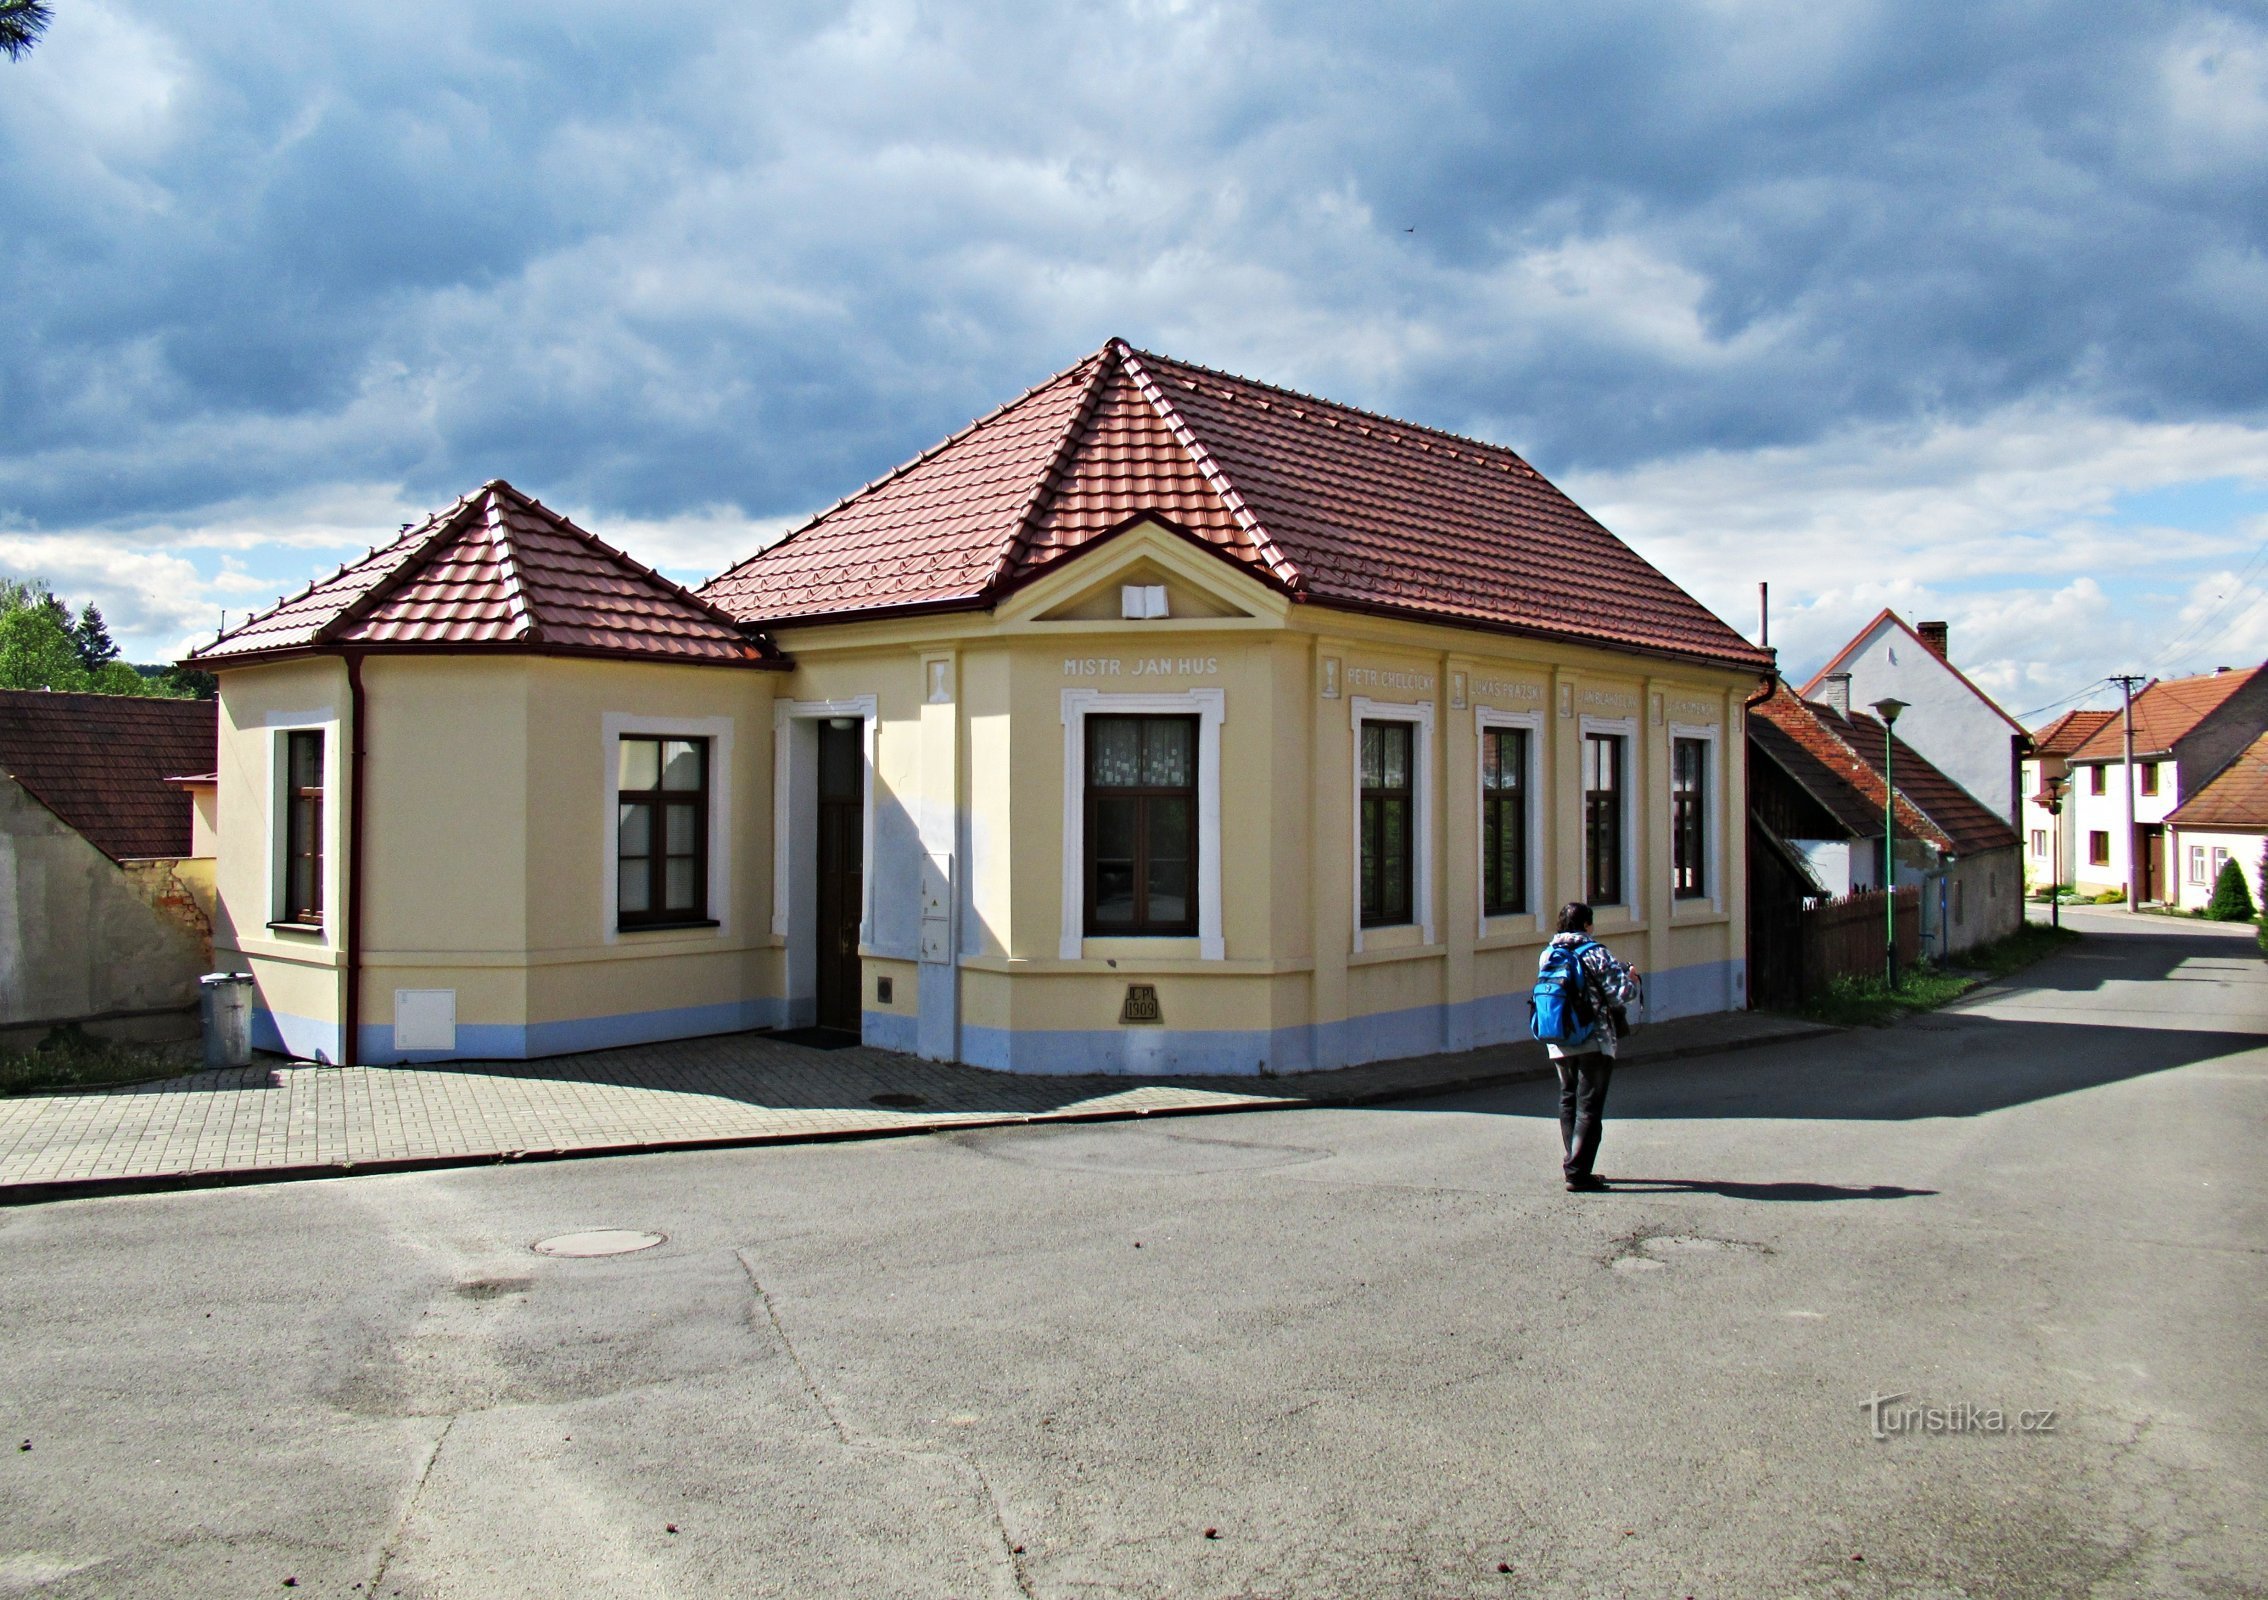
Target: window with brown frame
pixel 1504 822
pixel 2098 845
pixel 1602 818
pixel 1141 826
pixel 2095 777
pixel 2149 777
pixel 303 830
pixel 1689 818
pixel 1389 802
pixel 662 832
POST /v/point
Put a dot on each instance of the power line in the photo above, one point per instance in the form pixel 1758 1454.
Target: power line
pixel 2055 705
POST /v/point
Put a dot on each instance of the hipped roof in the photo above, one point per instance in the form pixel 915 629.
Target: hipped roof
pixel 2164 712
pixel 497 571
pixel 102 764
pixel 1838 759
pixel 1320 501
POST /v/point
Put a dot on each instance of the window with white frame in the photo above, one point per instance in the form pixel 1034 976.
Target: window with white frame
pixel 1605 786
pixel 1142 818
pixel 1506 790
pixel 2220 860
pixel 2197 863
pixel 299 903
pixel 1392 857
pixel 2039 841
pixel 1689 818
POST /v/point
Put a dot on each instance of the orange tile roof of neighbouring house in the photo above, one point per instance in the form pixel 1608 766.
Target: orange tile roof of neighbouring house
pixel 2234 797
pixel 1321 501
pixel 2069 731
pixel 102 763
pixel 497 570
pixel 1838 758
pixel 2166 710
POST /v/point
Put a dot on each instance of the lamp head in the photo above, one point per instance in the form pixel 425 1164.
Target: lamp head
pixel 1888 709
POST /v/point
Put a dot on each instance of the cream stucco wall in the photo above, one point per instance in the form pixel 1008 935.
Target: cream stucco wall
pixel 489 854
pixel 1295 983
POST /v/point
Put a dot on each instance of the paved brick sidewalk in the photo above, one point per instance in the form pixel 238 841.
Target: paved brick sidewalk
pixel 280 1119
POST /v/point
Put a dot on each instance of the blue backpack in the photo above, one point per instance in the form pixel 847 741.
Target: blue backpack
pixel 1559 1008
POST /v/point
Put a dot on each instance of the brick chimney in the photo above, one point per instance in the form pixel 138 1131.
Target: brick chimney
pixel 1835 690
pixel 1933 635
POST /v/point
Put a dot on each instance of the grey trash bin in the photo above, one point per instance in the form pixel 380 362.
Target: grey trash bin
pixel 228 1018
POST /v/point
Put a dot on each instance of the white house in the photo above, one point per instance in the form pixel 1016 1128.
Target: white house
pixel 2050 839
pixel 2226 820
pixel 2186 730
pixel 1956 725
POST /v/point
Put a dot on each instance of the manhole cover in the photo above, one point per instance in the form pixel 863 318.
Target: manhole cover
pixel 896 1102
pixel 599 1242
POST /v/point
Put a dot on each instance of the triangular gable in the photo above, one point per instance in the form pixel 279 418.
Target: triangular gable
pixel 1202 580
pixel 1859 642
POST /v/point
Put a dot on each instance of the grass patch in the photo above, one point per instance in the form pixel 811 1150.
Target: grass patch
pixel 1871 1003
pixel 69 1058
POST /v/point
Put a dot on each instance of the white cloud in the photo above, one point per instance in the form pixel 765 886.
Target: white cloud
pixel 2004 527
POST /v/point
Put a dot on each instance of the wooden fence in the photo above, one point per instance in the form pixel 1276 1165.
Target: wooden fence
pixel 1843 938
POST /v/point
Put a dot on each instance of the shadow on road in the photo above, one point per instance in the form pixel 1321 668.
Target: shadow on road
pixel 1766 1191
pixel 1944 1065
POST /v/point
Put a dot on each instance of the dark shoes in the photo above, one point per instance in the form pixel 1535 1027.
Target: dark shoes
pixel 1585 1183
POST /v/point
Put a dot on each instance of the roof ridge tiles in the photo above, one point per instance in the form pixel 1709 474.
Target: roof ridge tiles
pixel 1340 407
pixel 1214 473
pixel 1018 542
pixel 516 596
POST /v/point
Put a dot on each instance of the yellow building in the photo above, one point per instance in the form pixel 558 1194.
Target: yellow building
pixel 1160 721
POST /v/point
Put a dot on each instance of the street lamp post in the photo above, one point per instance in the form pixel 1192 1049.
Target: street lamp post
pixel 2055 787
pixel 1887 709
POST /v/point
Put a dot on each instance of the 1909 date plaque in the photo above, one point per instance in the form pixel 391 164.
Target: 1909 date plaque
pixel 1141 1004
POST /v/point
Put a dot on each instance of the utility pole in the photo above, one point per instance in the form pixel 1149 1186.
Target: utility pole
pixel 2127 681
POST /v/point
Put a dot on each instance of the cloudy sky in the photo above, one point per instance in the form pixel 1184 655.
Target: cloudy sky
pixel 1959 307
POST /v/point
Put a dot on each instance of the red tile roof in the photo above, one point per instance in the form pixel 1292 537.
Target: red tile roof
pixel 101 762
pixel 1327 503
pixel 2235 797
pixel 2069 731
pixel 498 570
pixel 2166 710
pixel 1838 758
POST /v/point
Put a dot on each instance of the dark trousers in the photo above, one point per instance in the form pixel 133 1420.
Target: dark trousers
pixel 1582 1109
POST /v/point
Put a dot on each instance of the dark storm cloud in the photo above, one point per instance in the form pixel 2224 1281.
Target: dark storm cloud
pixel 645 261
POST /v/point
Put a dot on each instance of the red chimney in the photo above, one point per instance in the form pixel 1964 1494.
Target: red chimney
pixel 1933 635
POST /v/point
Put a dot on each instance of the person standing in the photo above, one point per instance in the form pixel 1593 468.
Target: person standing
pixel 1584 1069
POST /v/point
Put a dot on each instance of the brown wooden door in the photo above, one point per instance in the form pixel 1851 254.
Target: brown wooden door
pixel 842 873
pixel 2152 886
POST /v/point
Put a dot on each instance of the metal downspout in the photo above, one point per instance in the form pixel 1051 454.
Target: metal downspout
pixel 350 1048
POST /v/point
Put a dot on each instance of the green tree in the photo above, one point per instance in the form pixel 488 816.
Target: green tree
pixel 90 636
pixel 37 653
pixel 2231 902
pixel 21 24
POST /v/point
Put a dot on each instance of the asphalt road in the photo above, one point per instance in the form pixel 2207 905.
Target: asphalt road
pixel 1326 1353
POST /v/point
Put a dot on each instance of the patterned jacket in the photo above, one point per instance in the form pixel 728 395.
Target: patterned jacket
pixel 1612 987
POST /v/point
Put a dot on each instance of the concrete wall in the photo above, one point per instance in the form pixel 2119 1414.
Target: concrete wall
pixel 1950 725
pixel 84 939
